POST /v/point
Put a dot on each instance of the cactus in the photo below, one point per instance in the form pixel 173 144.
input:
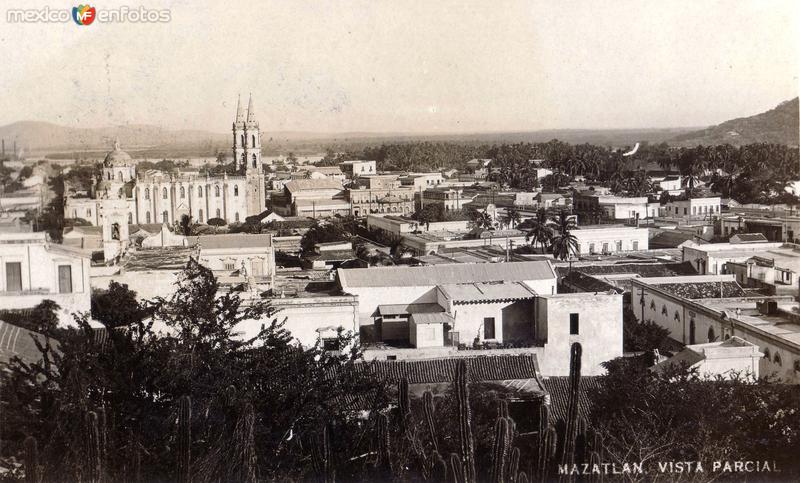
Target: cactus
pixel 502 408
pixel 93 464
pixel 103 433
pixel 383 462
pixel 404 404
pixel 464 422
pixel 439 469
pixel 31 460
pixel 184 439
pixel 568 456
pixel 501 449
pixel 548 445
pixel 245 469
pixel 327 456
pixel 513 465
pixel 544 418
pixel 594 459
pixel 456 468
pixel 581 442
pixel 427 405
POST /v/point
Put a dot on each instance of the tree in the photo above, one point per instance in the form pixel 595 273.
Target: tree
pixel 540 232
pixel 512 217
pixel 186 225
pixel 564 243
pixel 481 220
pixel 216 223
pixel 324 232
pixel 117 306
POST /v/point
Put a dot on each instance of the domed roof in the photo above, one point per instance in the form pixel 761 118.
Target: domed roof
pixel 117 157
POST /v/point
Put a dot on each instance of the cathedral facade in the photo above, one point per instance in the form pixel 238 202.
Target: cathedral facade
pixel 160 197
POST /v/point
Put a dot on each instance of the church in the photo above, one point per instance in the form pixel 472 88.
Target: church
pixel 165 197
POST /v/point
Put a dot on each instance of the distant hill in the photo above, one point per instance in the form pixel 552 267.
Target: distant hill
pixel 778 125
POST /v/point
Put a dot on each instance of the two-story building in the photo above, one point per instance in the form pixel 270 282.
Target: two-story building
pixel 380 194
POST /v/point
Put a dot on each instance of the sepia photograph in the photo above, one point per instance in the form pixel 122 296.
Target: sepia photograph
pixel 451 241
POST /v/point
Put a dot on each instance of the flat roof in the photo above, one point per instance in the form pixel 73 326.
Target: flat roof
pixel 236 240
pixel 445 274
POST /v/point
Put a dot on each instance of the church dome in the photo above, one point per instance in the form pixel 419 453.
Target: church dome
pixel 117 157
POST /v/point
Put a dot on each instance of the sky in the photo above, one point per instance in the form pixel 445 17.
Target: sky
pixel 405 66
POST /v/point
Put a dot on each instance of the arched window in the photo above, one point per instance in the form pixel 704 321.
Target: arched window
pixel 147 217
pixel 109 175
pixel 677 316
pixel 664 310
pixel 183 192
pixel 711 336
pixel 147 193
pixel 120 193
pixel 235 190
pixel 797 365
pixel 253 137
pixel 653 305
pixel 165 216
pixel 218 213
pixel 777 360
pixel 242 140
pixel 691 332
pixel 164 193
pixel 119 176
pixel 200 216
pixel 199 191
pixel 130 218
pixel 236 217
pixel 244 160
pixel 766 353
pixel 216 191
pixel 255 160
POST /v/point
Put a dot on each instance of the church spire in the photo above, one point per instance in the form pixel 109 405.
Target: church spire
pixel 239 112
pixel 251 113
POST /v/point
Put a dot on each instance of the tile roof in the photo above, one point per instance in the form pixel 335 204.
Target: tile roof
pixel 704 290
pixel 313 184
pixel 748 238
pixel 587 283
pixel 672 239
pixel 641 269
pixel 445 274
pixel 559 390
pixel 236 240
pixel 167 258
pixel 482 368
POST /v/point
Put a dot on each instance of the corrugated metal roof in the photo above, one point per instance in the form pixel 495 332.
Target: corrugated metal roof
pixel 445 274
pixel 486 291
pixel 400 309
pixel 431 318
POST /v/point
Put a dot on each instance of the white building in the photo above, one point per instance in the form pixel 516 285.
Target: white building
pixel 693 208
pixel 34 269
pixel 732 357
pixel 359 167
pixel 604 239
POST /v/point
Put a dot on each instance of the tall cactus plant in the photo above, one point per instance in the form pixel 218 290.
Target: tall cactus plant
pixel 500 450
pixel 184 440
pixel 465 422
pixel 383 463
pixel 568 456
pixel 427 405
pixel 31 460
pixel 548 444
pixel 93 464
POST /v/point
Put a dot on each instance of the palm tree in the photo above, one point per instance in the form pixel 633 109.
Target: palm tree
pixel 512 217
pixel 565 243
pixel 539 233
pixel 482 219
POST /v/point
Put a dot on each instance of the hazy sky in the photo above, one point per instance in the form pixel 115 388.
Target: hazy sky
pixel 428 65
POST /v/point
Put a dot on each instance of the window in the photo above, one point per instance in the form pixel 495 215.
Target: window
pixel 147 193
pixel 64 279
pixel 619 246
pixel 236 217
pixel 635 245
pixel 574 324
pixel 257 268
pixel 183 192
pixel 13 276
pixel 766 353
pixel 235 190
pixel 711 336
pixel 216 191
pixel 488 327
pixel 255 160
pixel 677 316
pixel 241 138
pixel 605 247
pixel 797 365
pixel 229 265
pixel 332 344
pixel 130 218
pixel 664 310
pixel 165 216
pixel 147 217
pixel 253 138
pixel 200 216
pixel 109 175
pixel 199 191
pixel 777 360
pixel 652 305
pixel 218 213
pixel 164 193
pixel 686 211
pixel 691 332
